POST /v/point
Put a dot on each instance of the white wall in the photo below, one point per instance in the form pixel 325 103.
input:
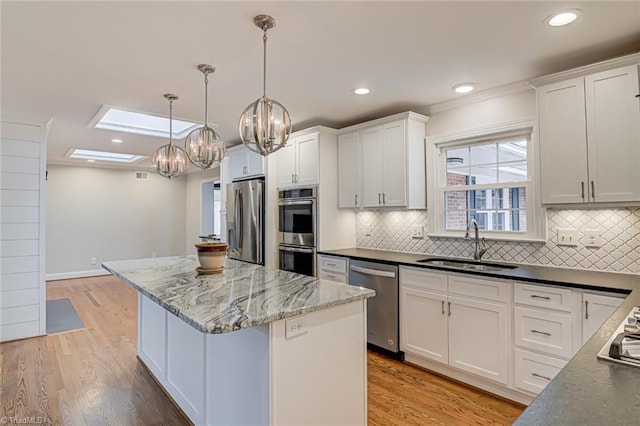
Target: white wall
pixel 109 215
pixel 194 207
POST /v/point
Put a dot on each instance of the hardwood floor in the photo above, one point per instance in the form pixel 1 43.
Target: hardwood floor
pixel 92 377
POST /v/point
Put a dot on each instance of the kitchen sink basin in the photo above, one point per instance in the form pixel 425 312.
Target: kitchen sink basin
pixel 467 264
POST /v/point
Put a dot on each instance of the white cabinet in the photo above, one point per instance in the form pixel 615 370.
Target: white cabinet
pixel 456 320
pixel 384 161
pixel 596 309
pixel 589 132
pixel 298 161
pixel 244 163
pixel 333 268
pixel 349 171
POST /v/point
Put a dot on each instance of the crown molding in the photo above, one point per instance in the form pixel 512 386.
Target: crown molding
pixel 609 64
pixel 408 115
pixel 473 98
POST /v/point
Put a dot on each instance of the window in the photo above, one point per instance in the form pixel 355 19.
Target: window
pixel 488 178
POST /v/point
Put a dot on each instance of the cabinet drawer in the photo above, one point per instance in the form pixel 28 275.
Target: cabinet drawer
pixel 479 288
pixel 333 264
pixel 544 331
pixel 546 297
pixel 331 276
pixel 422 279
pixel 535 371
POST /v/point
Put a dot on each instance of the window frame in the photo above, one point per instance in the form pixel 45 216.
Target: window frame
pixel 436 184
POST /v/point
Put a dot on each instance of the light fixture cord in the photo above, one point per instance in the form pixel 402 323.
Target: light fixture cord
pixel 206 100
pixel 264 62
pixel 170 123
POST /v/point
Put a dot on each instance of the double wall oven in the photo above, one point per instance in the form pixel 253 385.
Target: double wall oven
pixel 297 230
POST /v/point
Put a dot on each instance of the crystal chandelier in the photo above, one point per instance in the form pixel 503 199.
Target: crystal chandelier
pixel 265 125
pixel 204 146
pixel 170 160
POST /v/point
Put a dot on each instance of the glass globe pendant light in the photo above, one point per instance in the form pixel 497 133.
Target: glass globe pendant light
pixel 170 160
pixel 204 146
pixel 265 125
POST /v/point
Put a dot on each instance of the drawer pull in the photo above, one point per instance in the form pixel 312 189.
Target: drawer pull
pixel 541 376
pixel 535 296
pixel 541 332
pixel 331 264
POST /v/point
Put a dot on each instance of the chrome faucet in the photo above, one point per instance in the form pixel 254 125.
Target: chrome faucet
pixel 479 248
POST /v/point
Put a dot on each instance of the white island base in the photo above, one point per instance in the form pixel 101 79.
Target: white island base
pixel 262 375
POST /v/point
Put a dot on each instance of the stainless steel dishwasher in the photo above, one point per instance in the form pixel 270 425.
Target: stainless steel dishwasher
pixel 382 310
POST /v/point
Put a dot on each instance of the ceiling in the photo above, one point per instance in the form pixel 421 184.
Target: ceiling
pixel 66 59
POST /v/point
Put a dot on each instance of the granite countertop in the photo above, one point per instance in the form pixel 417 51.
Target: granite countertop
pixel 587 390
pixel 244 295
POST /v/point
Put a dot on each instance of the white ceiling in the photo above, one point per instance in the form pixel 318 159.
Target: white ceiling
pixel 65 59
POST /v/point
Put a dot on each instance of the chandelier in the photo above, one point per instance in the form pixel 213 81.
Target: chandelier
pixel 204 146
pixel 265 125
pixel 170 160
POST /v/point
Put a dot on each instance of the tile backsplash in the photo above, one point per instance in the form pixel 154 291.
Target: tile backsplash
pixel 619 228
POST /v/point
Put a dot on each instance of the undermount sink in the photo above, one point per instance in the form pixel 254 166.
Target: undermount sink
pixel 466 264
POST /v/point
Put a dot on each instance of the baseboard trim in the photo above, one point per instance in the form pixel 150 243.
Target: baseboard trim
pixel 76 274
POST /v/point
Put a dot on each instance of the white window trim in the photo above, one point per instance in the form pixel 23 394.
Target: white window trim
pixel 536 215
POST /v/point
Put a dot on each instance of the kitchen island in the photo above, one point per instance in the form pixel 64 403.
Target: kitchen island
pixel 251 345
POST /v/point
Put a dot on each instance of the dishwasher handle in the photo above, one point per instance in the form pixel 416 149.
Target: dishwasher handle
pixel 375 272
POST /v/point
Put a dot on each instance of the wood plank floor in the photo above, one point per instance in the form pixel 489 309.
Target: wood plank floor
pixel 92 377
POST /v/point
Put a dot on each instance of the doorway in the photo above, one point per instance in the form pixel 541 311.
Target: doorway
pixel 210 218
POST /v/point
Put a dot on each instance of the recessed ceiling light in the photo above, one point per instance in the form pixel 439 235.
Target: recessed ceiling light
pixel 122 120
pixel 92 156
pixel 464 87
pixel 91 161
pixel 116 140
pixel 564 17
pixel 361 91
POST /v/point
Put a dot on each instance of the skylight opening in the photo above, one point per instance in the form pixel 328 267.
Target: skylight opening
pixel 112 118
pixel 83 154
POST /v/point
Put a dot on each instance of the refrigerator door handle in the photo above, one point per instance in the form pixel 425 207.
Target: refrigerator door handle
pixel 239 221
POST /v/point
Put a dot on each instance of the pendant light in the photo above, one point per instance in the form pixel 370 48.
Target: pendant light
pixel 170 160
pixel 265 125
pixel 204 146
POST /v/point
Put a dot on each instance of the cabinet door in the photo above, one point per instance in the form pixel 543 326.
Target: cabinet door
pixel 349 179
pixel 423 324
pixel 255 163
pixel 286 159
pixel 371 167
pixel 596 309
pixel 613 132
pixel 307 160
pixel 478 338
pixel 563 142
pixel 238 163
pixel 394 165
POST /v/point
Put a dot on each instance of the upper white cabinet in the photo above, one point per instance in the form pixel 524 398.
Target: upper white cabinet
pixel 298 161
pixel 590 138
pixel 349 170
pixel 244 163
pixel 382 163
pixel 596 309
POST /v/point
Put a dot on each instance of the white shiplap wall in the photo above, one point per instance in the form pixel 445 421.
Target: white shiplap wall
pixel 22 221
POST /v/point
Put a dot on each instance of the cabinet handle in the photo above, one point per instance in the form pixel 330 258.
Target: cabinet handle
pixel 582 184
pixel 638 95
pixel 356 199
pixel 586 309
pixel 331 264
pixel 593 191
pixel 541 376
pixel 384 198
pixel 449 305
pixel 442 307
pixel 379 198
pixel 541 332
pixel 535 296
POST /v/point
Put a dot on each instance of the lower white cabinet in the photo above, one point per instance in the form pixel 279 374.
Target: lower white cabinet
pixel 545 331
pixel 596 309
pixel 333 268
pixel 534 371
pixel 468 333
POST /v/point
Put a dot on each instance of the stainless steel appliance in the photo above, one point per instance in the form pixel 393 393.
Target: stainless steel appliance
pixel 245 220
pixel 297 223
pixel 382 310
pixel 624 345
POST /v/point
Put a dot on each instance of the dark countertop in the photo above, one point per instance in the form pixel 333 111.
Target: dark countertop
pixel 587 391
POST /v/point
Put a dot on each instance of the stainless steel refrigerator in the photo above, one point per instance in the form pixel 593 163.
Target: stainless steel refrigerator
pixel 245 220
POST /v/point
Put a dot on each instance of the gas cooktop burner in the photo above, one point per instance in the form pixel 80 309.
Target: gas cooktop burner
pixel 624 345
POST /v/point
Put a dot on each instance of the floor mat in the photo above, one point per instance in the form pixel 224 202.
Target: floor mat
pixel 62 316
